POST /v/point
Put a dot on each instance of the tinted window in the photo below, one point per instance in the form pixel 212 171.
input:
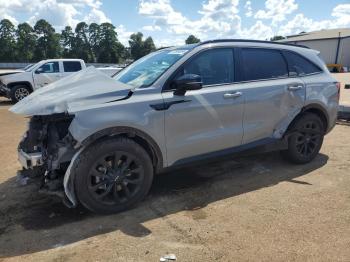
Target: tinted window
pixel 299 65
pixel 50 67
pixel 71 66
pixel 214 66
pixel 263 64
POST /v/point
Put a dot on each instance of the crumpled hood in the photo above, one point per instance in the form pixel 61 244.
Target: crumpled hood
pixel 10 72
pixel 84 88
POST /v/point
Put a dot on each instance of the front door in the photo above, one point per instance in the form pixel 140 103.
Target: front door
pixel 46 74
pixel 208 120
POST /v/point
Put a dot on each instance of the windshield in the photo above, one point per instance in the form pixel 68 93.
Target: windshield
pixel 145 71
pixel 29 68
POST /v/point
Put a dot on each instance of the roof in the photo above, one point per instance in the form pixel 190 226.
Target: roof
pixel 247 41
pixel 62 59
pixel 318 35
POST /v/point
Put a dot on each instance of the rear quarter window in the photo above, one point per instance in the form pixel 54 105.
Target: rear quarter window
pixel 71 66
pixel 260 64
pixel 300 66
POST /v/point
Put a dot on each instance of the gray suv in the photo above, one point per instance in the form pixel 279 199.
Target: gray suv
pixel 99 141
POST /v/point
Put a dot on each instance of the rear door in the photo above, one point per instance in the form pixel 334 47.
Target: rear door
pixel 208 120
pixel 272 96
pixel 70 67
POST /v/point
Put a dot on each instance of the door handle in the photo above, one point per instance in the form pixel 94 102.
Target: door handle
pixel 295 87
pixel 232 95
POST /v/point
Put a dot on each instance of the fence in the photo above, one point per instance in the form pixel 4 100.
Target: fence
pixel 22 65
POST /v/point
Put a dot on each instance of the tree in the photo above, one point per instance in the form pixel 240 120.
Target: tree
pixel 48 44
pixel 67 42
pixel 94 40
pixel 81 47
pixel 192 40
pixel 7 41
pixel 140 48
pixel 277 37
pixel 148 46
pixel 26 41
pixel 110 49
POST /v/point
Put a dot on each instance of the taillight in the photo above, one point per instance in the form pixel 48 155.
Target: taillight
pixel 338 87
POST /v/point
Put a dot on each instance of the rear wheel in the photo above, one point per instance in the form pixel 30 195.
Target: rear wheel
pixel 113 175
pixel 19 92
pixel 305 139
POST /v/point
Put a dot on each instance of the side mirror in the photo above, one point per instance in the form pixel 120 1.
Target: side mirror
pixel 38 71
pixel 187 82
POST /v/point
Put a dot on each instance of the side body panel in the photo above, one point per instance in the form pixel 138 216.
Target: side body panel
pixel 321 91
pixel 206 122
pixel 270 107
pixel 134 112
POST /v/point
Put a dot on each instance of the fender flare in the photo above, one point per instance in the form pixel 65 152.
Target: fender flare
pixel 319 110
pixel 13 84
pixel 157 156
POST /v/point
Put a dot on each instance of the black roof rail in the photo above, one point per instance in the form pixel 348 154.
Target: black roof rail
pixel 248 41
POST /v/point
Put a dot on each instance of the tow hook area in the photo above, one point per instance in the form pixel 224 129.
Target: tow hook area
pixel 30 160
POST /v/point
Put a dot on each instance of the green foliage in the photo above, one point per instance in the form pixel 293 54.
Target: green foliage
pixel 7 41
pixel 192 40
pixel 26 41
pixel 48 44
pixel 277 37
pixel 140 48
pixel 93 43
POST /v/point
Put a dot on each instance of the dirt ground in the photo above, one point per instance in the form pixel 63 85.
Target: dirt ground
pixel 256 208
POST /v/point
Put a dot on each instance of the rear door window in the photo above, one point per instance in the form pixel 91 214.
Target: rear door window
pixel 71 66
pixel 259 64
pixel 299 66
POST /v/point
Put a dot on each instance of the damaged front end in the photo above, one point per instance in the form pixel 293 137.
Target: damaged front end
pixel 46 151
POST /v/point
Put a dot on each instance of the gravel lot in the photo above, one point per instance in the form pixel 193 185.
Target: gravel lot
pixel 256 208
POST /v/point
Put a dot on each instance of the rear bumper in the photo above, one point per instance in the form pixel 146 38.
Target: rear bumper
pixel 344 113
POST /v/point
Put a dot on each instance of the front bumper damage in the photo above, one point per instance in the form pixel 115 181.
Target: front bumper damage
pixel 46 154
pixel 4 90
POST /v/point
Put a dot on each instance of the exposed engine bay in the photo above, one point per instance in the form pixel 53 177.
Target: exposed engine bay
pixel 46 151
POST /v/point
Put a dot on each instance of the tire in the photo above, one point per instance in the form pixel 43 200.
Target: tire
pixel 305 139
pixel 112 175
pixel 19 92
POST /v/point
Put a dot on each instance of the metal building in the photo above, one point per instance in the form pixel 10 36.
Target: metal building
pixel 334 44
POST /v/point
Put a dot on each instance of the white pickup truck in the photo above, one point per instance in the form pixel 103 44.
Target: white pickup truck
pixel 17 85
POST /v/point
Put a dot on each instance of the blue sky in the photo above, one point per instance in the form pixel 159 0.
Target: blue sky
pixel 169 22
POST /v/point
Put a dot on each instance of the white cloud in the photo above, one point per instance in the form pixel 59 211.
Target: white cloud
pixel 301 23
pixel 248 8
pixel 57 12
pixel 151 28
pixel 276 10
pixel 123 34
pixel 258 31
pixel 96 16
pixel 217 16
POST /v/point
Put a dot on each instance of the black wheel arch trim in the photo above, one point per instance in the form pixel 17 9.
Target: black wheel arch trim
pixel 26 83
pixel 318 109
pixel 157 156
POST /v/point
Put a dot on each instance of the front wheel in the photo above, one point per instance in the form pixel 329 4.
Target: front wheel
pixel 305 139
pixel 19 92
pixel 113 175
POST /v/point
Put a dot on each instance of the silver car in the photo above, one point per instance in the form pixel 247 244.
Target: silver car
pixel 99 141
